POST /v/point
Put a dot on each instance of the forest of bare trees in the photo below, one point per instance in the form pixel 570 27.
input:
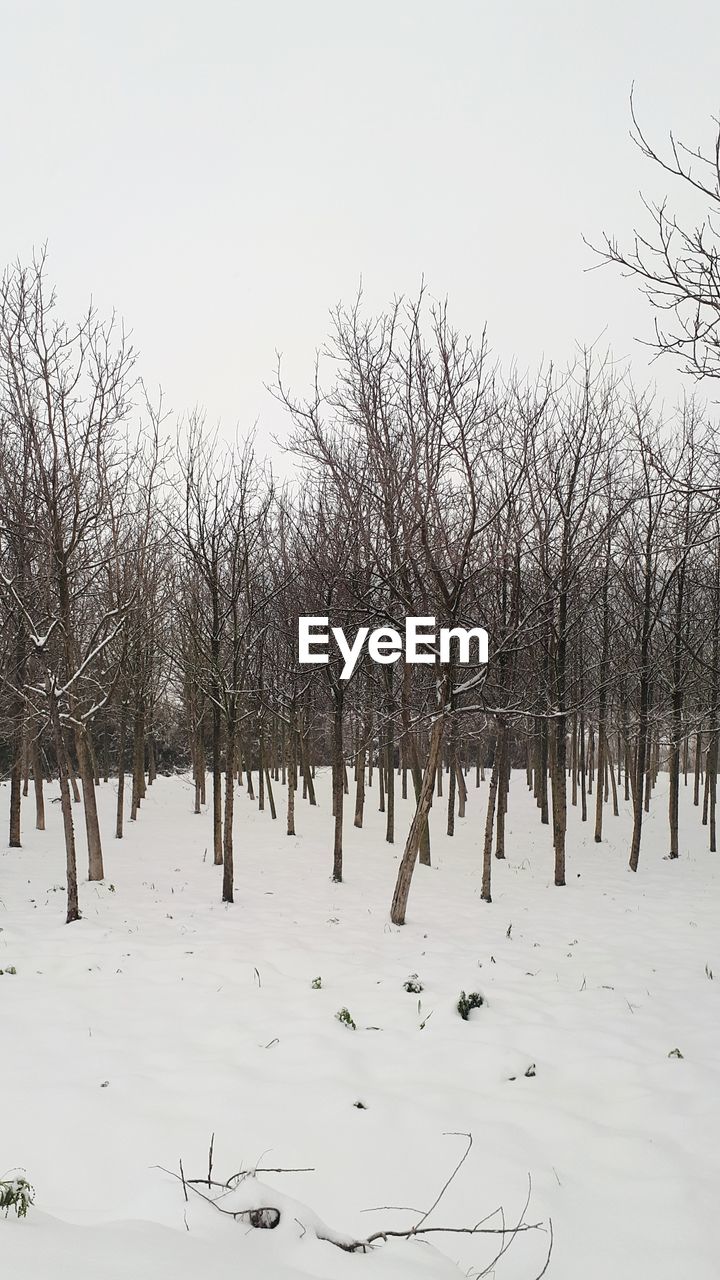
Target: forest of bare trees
pixel 152 576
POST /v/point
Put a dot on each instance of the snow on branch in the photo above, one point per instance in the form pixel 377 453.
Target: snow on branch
pixel 246 1199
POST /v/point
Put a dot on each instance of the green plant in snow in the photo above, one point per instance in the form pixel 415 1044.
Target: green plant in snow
pixel 316 984
pixel 467 1002
pixel 344 1016
pixel 17 1194
pixel 413 984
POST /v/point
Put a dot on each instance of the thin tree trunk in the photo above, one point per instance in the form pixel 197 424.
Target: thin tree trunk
pixel 360 784
pixel 486 890
pixel 407 865
pixel 119 816
pixel 291 772
pixel 501 787
pixel 390 754
pixel 92 824
pixel 73 908
pixel 698 765
pixel 37 771
pixel 228 868
pixel 14 841
pixel 217 788
pixel 271 798
pixel 261 773
pixel 616 811
pixel 583 784
pixel 461 789
pixel 338 788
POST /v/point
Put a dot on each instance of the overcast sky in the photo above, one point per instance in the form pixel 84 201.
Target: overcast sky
pixel 223 172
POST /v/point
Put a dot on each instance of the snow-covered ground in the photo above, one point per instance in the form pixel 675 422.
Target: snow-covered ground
pixel 128 1038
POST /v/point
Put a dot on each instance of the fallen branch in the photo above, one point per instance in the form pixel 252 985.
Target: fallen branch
pixel 268 1216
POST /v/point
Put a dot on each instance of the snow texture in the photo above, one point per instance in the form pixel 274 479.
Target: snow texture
pixel 199 1018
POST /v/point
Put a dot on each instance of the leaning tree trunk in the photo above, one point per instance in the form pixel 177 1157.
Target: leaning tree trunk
pixel 412 844
pixel 616 811
pixel 415 769
pixel 270 796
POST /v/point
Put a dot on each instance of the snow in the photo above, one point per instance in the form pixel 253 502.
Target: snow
pixel 199 1018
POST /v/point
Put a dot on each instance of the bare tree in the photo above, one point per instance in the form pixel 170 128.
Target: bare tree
pixel 66 395
pixel 677 260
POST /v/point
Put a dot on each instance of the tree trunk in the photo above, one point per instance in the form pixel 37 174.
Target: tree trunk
pixel 228 869
pixel 390 754
pixel 291 772
pixel 261 774
pixel 461 789
pixel 73 908
pixel 644 701
pixel 360 784
pixel 307 770
pixel 602 701
pixel 412 844
pixel 37 770
pixel 14 841
pixel 338 787
pixel 271 798
pixel 501 788
pixel 698 760
pixel 121 772
pixel 217 788
pixel 485 892
pixel 411 742
pixel 583 781
pixel 92 825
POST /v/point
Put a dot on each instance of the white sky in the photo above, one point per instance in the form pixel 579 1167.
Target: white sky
pixel 222 173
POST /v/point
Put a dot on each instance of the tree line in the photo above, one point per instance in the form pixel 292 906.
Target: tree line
pixel 152 576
